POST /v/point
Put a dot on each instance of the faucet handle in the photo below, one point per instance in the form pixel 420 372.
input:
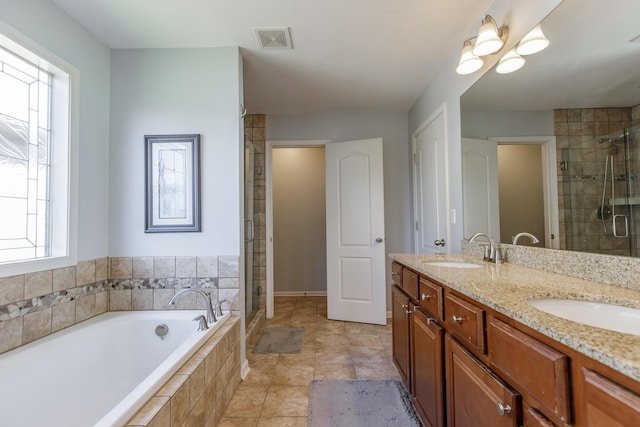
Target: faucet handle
pixel 487 252
pixel 219 307
pixel 499 256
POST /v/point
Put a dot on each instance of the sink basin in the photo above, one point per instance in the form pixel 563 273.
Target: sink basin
pixel 606 316
pixel 453 264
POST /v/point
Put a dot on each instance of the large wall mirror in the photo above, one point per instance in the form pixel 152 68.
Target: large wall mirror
pixel 553 149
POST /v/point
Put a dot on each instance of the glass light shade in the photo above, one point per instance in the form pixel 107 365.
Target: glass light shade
pixel 510 62
pixel 469 63
pixel 533 42
pixel 489 40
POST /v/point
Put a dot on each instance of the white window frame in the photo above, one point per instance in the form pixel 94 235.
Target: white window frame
pixel 64 154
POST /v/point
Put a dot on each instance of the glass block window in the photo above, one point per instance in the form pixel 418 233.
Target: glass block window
pixel 25 134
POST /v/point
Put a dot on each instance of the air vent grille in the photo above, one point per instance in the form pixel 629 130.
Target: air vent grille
pixel 273 38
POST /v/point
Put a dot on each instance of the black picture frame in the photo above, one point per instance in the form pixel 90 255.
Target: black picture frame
pixel 172 183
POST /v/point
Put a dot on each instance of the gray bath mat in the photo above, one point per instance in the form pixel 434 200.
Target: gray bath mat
pixel 360 403
pixel 280 340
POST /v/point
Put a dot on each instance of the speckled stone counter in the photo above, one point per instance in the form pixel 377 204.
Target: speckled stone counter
pixel 506 288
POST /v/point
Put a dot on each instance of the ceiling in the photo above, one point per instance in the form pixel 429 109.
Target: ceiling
pixel 349 56
pixel 593 61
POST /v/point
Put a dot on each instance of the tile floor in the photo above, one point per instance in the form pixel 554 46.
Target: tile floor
pixel 275 393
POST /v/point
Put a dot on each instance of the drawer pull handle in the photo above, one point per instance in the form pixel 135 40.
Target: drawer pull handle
pixel 503 409
pixel 426 297
pixel 394 274
pixel 405 306
pixel 455 319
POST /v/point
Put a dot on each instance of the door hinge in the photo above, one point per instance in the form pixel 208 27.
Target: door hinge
pixel 414 158
pixel 417 228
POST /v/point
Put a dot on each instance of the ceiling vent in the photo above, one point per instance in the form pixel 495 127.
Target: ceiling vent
pixel 273 38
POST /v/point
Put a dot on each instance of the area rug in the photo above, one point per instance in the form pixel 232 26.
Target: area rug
pixel 360 403
pixel 280 340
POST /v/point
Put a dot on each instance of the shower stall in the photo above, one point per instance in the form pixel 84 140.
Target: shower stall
pixel 601 193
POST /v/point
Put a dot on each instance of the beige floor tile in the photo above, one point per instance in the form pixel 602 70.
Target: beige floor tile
pixel 282 401
pixel 261 359
pixel 333 355
pixel 363 354
pixel 335 371
pixel 376 371
pixel 293 375
pixel 259 375
pixel 238 422
pixel 307 356
pixel 246 402
pixel 283 422
pixel 364 340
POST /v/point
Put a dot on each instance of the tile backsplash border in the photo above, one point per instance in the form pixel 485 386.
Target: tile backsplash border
pixel 613 270
pixel 35 305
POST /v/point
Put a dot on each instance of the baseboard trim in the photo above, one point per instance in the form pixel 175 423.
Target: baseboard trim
pixel 244 369
pixel 388 315
pixel 300 294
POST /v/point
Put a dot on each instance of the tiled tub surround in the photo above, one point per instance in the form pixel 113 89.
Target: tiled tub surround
pixel 37 304
pixel 506 288
pixel 133 364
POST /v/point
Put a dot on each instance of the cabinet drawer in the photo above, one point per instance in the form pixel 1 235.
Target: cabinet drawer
pixel 431 298
pixel 607 403
pixel 396 273
pixel 465 320
pixel 536 368
pixel 533 418
pixel 410 283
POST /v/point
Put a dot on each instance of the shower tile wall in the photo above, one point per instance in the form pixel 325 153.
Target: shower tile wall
pixel 38 304
pixel 580 185
pixel 254 130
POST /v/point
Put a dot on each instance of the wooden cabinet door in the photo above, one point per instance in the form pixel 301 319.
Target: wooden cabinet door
pixel 609 404
pixel 427 368
pixel 475 396
pixel 400 330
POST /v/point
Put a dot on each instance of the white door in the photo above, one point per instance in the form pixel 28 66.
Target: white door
pixel 430 185
pixel 480 195
pixel 356 262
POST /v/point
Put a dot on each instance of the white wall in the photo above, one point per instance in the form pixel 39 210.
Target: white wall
pixel 176 91
pixel 392 128
pixel 486 124
pixel 45 24
pixel 448 86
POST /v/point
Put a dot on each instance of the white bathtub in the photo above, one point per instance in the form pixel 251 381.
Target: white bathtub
pixel 98 372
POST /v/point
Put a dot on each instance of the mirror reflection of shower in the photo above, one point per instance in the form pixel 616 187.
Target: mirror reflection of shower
pixel 619 195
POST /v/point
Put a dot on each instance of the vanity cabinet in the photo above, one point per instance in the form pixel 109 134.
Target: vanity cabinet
pixel 427 368
pixel 475 396
pixel 465 364
pixel 401 344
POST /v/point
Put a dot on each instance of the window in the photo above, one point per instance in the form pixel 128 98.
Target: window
pixel 35 159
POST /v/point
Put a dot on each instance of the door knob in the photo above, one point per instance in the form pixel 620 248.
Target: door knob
pixel 439 242
pixel 379 239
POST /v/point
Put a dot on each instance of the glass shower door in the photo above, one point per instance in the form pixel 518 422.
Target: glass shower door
pixel 251 300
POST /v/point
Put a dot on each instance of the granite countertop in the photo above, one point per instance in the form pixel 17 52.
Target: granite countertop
pixel 506 288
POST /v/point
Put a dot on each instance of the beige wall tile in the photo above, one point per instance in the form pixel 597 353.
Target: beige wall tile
pixel 231 295
pixel 36 325
pixel 180 405
pixel 185 266
pixel 121 268
pixel 164 267
pixel 258 120
pixel 142 299
pixel 85 307
pixel 142 267
pixel 229 283
pixel 149 411
pixel 120 299
pixel 161 298
pixel 64 278
pixel 102 302
pixel 38 284
pixel 207 266
pixel 63 315
pixel 85 272
pixel 102 269
pixel 11 289
pixel 10 334
pixel 228 266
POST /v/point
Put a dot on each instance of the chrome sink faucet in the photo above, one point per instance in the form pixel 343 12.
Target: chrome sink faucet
pixel 211 316
pixel 531 237
pixel 492 253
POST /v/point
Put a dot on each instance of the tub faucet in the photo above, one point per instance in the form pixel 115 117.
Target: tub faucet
pixel 219 307
pixel 202 322
pixel 492 253
pixel 211 316
pixel 531 237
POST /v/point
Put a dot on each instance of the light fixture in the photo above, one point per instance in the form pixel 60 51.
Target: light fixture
pixel 469 63
pixel 510 62
pixel 533 42
pixel 490 38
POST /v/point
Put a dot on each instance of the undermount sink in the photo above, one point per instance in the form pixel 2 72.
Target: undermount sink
pixel 453 264
pixel 606 316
